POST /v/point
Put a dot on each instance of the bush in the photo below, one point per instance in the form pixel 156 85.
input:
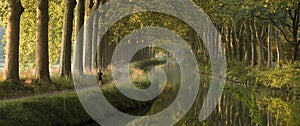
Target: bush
pixel 280 78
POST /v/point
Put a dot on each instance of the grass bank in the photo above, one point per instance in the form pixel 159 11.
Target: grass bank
pixel 63 108
pixel 30 87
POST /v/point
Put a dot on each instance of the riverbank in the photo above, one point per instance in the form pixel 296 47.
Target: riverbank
pixel 251 96
pixel 63 108
pixel 33 103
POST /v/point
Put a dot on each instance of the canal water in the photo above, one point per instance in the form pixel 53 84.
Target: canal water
pixel 239 105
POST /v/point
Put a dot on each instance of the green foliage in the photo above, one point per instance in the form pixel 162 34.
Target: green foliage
pixel 31 111
pixel 28 32
pixel 56 14
pixel 249 98
pixel 30 86
pixel 3 12
pixel 279 109
pixel 3 23
pixel 143 19
pixel 237 71
pixel 280 77
pixel 294 106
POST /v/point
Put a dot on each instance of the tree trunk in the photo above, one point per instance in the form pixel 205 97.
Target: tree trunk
pixel 42 56
pixel 95 39
pixel 234 44
pixel 241 44
pixel 88 33
pixel 229 50
pixel 247 44
pixel 223 39
pixel 259 38
pixel 295 32
pixel 296 50
pixel 270 30
pixel 278 49
pixel 294 14
pixel 95 33
pixel 78 51
pixel 65 61
pixel 253 45
pixel 11 70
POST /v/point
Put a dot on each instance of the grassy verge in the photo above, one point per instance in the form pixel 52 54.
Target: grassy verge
pixel 62 109
pixel 29 86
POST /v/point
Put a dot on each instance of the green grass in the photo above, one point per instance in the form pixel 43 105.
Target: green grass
pixel 50 110
pixel 29 86
pixel 63 108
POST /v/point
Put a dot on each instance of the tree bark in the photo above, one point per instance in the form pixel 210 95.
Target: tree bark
pixel 95 33
pixel 78 51
pixel 270 30
pixel 234 43
pixel 88 33
pixel 253 45
pixel 241 44
pixel 296 42
pixel 223 39
pixel 278 49
pixel 65 61
pixel 259 38
pixel 11 70
pixel 42 56
pixel 247 44
pixel 95 40
pixel 294 15
pixel 229 50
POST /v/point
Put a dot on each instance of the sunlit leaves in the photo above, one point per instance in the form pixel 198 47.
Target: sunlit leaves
pixel 144 19
pixel 3 12
pixel 281 78
pixel 279 109
pixel 28 32
pixel 56 11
